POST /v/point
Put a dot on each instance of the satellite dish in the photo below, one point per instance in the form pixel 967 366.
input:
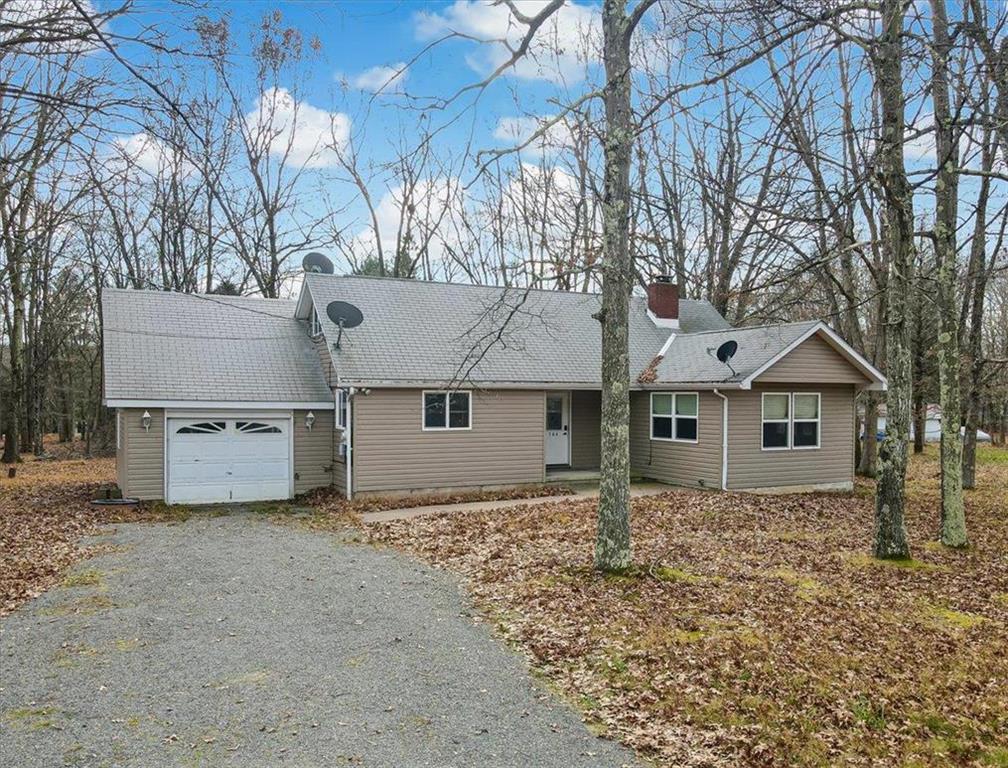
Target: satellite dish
pixel 727 351
pixel 317 262
pixel 344 315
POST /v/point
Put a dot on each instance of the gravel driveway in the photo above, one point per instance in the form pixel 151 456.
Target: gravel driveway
pixel 236 641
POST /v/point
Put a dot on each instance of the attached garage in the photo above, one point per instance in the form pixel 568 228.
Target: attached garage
pixel 228 458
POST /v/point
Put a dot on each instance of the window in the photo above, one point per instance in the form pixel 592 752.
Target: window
pixel 791 420
pixel 776 420
pixel 256 427
pixel 341 408
pixel 447 410
pixel 674 416
pixel 202 428
pixel 805 420
pixel 314 325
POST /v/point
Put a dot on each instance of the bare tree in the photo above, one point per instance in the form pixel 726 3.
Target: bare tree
pixel 887 52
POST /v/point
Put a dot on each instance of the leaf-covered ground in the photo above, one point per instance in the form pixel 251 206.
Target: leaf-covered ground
pixel 44 511
pixel 327 501
pixel 757 630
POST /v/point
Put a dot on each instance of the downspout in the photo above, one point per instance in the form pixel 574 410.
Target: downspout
pixel 724 439
pixel 348 437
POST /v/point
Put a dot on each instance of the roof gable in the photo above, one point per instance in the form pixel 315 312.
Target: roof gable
pixel 814 360
pixel 764 354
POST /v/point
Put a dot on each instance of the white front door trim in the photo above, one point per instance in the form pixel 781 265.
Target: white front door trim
pixel 558 440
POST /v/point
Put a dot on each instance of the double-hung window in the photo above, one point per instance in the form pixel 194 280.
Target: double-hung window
pixel 805 420
pixel 447 410
pixel 674 416
pixel 776 421
pixel 791 420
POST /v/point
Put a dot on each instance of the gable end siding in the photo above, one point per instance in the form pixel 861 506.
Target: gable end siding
pixel 813 360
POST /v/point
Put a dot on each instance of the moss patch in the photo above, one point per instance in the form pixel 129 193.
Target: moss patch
pixel 666 573
pixel 31 718
pixel 946 618
pixel 91 577
pixel 84 606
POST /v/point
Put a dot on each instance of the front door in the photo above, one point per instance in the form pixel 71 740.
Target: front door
pixel 557 428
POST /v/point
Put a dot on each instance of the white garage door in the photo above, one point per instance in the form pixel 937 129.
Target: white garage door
pixel 227 459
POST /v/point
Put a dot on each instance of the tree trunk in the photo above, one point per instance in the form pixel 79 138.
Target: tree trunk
pixel 15 399
pixel 612 543
pixel 867 466
pixel 890 531
pixel 977 279
pixel 919 422
pixel 953 513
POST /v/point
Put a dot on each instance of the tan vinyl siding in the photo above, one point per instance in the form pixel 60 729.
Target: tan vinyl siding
pixel 504 447
pixel 814 360
pixel 692 464
pixel 313 453
pixel 143 454
pixel 586 434
pixel 749 466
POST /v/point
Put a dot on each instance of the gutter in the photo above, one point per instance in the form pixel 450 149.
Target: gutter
pixel 348 437
pixel 724 438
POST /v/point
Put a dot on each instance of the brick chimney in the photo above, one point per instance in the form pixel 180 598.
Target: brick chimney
pixel 663 301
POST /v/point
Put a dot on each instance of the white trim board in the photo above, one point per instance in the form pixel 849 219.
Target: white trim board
pixel 224 405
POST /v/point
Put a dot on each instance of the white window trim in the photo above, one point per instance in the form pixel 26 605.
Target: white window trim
pixel 341 408
pixel 314 324
pixel 817 420
pixel 445 392
pixel 673 439
pixel 764 420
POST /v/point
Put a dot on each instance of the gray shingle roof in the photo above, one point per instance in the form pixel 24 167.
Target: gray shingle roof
pixel 173 346
pixel 690 358
pixel 417 331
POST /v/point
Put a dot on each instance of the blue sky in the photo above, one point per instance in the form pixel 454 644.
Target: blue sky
pixel 363 43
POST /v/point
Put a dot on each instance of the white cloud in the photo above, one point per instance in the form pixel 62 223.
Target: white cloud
pixel 517 130
pixel 560 51
pixel 382 78
pixel 305 134
pixel 426 208
pixel 50 19
pixel 150 155
pixel 919 146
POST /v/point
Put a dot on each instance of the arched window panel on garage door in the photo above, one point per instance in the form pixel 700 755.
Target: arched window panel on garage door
pixel 202 428
pixel 257 427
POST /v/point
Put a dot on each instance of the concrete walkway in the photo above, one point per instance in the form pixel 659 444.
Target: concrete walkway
pixel 406 513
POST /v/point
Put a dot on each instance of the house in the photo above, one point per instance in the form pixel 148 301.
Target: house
pixel 446 386
pixel 932 425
